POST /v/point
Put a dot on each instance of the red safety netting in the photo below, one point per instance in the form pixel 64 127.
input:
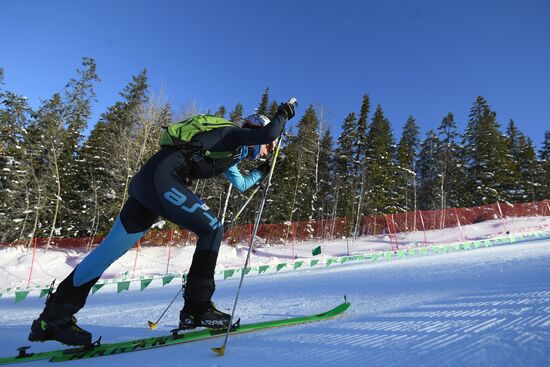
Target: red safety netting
pixel 390 224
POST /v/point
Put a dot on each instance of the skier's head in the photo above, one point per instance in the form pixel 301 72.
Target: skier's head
pixel 256 121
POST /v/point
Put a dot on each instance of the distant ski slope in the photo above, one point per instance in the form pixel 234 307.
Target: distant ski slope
pixel 487 307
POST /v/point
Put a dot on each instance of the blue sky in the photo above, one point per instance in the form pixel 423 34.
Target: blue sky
pixel 420 58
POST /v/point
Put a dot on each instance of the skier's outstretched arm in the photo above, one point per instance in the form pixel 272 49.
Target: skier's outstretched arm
pixel 242 183
pixel 233 138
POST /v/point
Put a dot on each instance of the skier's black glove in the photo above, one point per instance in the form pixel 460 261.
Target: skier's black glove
pixel 265 167
pixel 287 110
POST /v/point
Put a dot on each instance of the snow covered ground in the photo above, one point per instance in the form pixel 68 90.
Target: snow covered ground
pixel 15 263
pixel 485 307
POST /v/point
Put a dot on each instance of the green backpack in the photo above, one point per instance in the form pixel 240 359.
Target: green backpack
pixel 181 134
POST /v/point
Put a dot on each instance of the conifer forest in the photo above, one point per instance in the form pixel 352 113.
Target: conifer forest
pixel 64 175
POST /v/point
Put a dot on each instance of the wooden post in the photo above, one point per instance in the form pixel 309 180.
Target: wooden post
pixel 136 259
pixel 391 229
pixel 169 248
pixel 459 226
pixel 251 245
pixel 293 256
pixel 423 228
pixel 502 217
pixel 32 263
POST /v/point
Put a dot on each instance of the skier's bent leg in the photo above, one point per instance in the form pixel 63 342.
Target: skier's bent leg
pixel 129 227
pixel 57 321
pixel 200 284
pixel 198 309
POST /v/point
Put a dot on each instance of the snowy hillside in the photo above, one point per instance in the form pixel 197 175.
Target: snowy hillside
pixel 485 307
pixel 15 262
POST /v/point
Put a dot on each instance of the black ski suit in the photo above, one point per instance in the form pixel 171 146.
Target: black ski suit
pixel 159 189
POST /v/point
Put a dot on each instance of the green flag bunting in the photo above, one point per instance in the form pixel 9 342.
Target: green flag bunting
pixel 43 292
pixel 21 295
pixel 145 283
pixel 228 273
pixel 123 286
pixel 167 279
pixel 97 287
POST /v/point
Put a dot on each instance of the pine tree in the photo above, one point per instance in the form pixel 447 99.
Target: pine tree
pixel 514 150
pixel 451 168
pixel 15 115
pixel 344 168
pixel 78 95
pixel 544 168
pixel 220 112
pixel 428 172
pixel 237 114
pixel 489 165
pixel 109 157
pixel 380 195
pixel 301 154
pixel 272 110
pixel 326 176
pixel 524 165
pixel 406 158
pixel 44 146
pixel 361 135
pixel 263 108
pixel 360 163
pixel 527 169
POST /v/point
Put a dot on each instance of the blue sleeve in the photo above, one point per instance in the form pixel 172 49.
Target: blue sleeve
pixel 241 182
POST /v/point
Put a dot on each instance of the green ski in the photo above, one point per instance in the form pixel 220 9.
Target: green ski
pixel 69 354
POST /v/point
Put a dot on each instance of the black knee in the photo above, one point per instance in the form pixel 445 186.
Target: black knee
pixel 203 265
pixel 135 217
pixel 200 285
pixel 211 240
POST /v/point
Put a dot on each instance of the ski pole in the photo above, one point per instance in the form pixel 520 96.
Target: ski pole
pixel 153 325
pixel 236 216
pixel 221 350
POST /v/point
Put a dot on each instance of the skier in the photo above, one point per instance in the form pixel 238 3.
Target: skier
pixel 161 188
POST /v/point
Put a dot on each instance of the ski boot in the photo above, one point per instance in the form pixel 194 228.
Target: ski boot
pixel 212 318
pixel 64 330
pixel 57 322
